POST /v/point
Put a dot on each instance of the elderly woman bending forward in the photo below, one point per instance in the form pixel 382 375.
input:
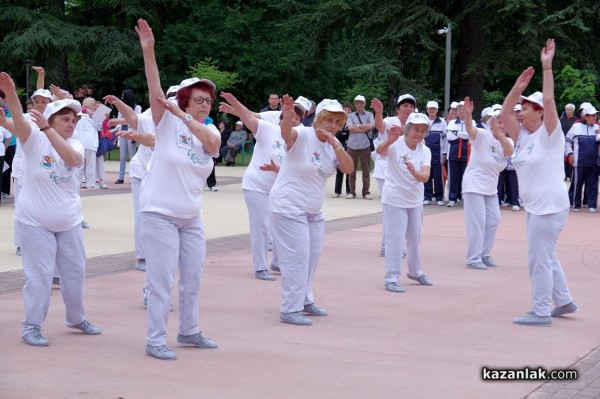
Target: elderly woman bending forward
pixel 409 164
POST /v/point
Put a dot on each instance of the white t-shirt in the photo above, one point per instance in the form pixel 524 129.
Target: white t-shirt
pixel 269 146
pixel 18 169
pixel 4 135
pixel 178 171
pixel 401 189
pixel 300 183
pixel 539 162
pixel 86 131
pixel 138 166
pixel 485 164
pixel 50 194
pixel 271 117
pixel 381 162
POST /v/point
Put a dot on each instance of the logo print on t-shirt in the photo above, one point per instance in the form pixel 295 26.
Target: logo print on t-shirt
pixel 48 162
pixel 493 149
pixel 184 140
pixel 316 158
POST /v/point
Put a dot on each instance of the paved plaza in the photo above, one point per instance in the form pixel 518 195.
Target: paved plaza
pixel 429 342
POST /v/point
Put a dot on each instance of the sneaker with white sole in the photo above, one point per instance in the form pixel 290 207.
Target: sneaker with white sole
pixel 426 202
pixel 295 318
pixel 451 204
pixel 531 319
pixel 570 307
pixel 440 203
pixel 264 275
pixel 516 208
pixel 336 195
pixel 367 197
pixel 576 209
pixel 477 266
pixel 592 210
pixel 314 310
pixel 350 196
pixel 160 352
pixel 102 185
pixel 87 328
pixel 422 279
pixel 488 261
pixel 197 340
pixel 394 287
pixel 35 338
pixel 213 189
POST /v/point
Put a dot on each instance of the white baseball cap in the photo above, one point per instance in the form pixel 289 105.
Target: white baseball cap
pixel 304 103
pixel 432 104
pixel 173 89
pixel 56 106
pixel 581 107
pixel 497 107
pixel 329 105
pixel 517 107
pixel 360 98
pixel 239 123
pixel 417 118
pixel 460 104
pixel 406 97
pixel 191 81
pixel 536 98
pixel 590 110
pixel 453 104
pixel 43 93
pixel 488 111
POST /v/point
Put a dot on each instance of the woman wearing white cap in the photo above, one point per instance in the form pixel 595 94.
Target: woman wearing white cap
pixel 480 187
pixel 538 159
pixel 408 167
pixel 260 175
pixel 171 202
pixel 582 154
pixel 295 202
pixel 48 213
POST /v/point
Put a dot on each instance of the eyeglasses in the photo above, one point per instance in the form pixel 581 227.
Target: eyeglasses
pixel 200 100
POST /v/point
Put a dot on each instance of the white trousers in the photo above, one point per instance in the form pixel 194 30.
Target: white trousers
pixel 380 184
pixel 18 184
pixel 299 242
pixel 402 224
pixel 100 167
pixel 259 217
pixel 482 217
pixel 42 252
pixel 89 168
pixel 172 243
pixel 548 281
pixel 136 184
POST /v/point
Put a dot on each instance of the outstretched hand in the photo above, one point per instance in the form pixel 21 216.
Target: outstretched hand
pixel 547 54
pixel 524 79
pixel 229 106
pixel 145 34
pixel 110 99
pixel 287 107
pixel 376 105
pixel 270 167
pixel 395 132
pixel 40 70
pixel 171 107
pixel 469 106
pixel 38 118
pixel 6 83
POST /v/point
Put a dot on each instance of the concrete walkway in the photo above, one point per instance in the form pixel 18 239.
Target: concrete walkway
pixel 430 342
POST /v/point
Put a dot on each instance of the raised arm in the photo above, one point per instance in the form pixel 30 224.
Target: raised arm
pixel 152 76
pixel 377 106
pixel 393 134
pixel 21 128
pixel 239 109
pixel 41 79
pixel 67 153
pixel 471 130
pixel 130 116
pixel 498 132
pixel 288 133
pixel 507 115
pixel 550 115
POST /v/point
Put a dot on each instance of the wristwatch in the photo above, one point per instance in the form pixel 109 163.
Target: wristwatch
pixel 187 118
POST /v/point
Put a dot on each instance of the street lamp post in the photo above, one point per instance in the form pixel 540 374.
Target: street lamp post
pixel 448 32
pixel 27 69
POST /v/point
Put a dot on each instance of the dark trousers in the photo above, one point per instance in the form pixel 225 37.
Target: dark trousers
pixel 365 162
pixel 456 170
pixel 435 185
pixel 587 175
pixel 211 180
pixel 6 178
pixel 339 179
pixel 508 187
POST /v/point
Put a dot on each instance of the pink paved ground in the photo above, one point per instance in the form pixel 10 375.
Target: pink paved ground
pixel 429 342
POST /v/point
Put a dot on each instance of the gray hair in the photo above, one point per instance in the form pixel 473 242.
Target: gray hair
pixel 570 106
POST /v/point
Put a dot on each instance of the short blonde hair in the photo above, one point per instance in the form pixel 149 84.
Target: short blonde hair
pixel 326 114
pixel 88 102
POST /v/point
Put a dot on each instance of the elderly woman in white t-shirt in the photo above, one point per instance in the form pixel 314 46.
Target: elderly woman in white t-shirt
pixel 296 199
pixel 408 168
pixel 538 160
pixel 171 202
pixel 480 187
pixel 48 213
pixel 260 175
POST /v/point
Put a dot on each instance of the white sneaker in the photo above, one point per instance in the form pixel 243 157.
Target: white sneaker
pixel 440 203
pixel 426 202
pixel 516 208
pixel 451 204
pixel 367 197
pixel 504 204
pixel 103 185
pixel 592 210
pixel 350 196
pixel 336 195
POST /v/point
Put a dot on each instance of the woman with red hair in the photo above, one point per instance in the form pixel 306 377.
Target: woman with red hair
pixel 538 160
pixel 171 202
